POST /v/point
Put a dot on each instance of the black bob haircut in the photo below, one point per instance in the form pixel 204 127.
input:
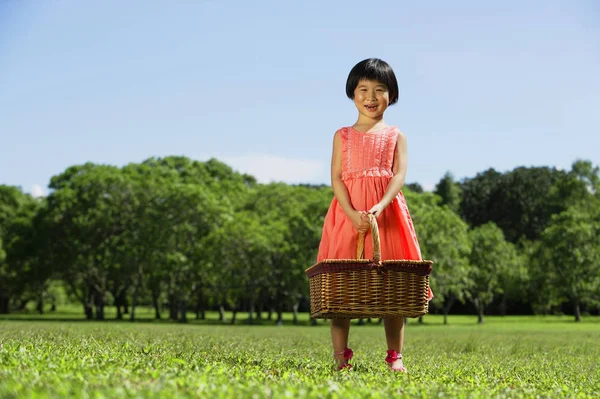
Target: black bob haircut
pixel 373 69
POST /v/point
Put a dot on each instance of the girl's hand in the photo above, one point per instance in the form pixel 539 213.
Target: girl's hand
pixel 376 210
pixel 360 221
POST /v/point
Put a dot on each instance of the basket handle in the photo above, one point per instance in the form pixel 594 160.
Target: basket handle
pixel 376 243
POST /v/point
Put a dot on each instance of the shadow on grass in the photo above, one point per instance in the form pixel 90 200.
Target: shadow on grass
pixel 429 321
pixel 209 322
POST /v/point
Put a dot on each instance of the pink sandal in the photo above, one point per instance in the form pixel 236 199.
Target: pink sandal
pixel 392 356
pixel 347 356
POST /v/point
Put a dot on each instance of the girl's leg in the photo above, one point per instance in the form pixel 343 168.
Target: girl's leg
pixel 394 335
pixel 340 328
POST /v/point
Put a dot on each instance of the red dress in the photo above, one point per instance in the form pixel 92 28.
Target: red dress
pixel 367 160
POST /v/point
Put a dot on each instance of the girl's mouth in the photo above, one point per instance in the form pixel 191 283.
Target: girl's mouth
pixel 371 108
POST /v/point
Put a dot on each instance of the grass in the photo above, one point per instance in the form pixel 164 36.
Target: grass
pixel 506 357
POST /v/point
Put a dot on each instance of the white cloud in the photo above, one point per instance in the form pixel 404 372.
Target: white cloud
pixel 271 168
pixel 563 168
pixel 37 191
pixel 428 186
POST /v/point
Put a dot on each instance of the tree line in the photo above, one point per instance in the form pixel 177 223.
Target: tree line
pixel 184 235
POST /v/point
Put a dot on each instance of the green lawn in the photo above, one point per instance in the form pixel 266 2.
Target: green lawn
pixel 506 357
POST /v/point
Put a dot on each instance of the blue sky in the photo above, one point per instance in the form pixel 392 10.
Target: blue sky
pixel 260 84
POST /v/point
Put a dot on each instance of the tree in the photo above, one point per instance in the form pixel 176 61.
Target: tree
pixel 193 213
pixel 16 213
pixel 25 256
pixel 579 187
pixel 415 187
pixel 491 259
pixel 515 281
pixel 568 257
pixel 519 202
pixel 301 210
pixel 443 238
pixel 91 209
pixel 181 202
pixel 588 175
pixel 240 251
pixel 449 191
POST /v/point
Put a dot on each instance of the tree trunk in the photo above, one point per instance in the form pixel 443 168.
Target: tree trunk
pixel 221 313
pixel 156 305
pixel 200 310
pixel 134 301
pixel 234 316
pixel 270 317
pixel 479 307
pixel 88 306
pixel 118 301
pixel 3 304
pixel 125 304
pixel 53 308
pixel 182 311
pixel 259 309
pixel 279 317
pixel 121 303
pixel 577 312
pixel 447 307
pixel 361 322
pixel 89 311
pixel 420 319
pixel 172 307
pixel 295 310
pixel 251 312
pixel 313 321
pixel 40 304
pixel 99 302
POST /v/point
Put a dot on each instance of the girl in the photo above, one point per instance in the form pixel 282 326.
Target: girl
pixel 368 167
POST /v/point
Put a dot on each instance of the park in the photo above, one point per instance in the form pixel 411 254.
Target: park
pixel 181 183
pixel 179 277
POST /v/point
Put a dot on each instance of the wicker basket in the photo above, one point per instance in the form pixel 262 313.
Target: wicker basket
pixel 361 288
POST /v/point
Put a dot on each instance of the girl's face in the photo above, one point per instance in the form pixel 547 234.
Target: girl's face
pixel 371 98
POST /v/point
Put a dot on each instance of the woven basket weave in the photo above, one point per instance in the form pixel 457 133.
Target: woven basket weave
pixel 361 288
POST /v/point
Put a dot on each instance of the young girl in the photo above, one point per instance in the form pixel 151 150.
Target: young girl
pixel 368 167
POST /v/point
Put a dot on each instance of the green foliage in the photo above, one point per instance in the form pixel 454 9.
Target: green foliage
pixel 519 201
pixel 414 187
pixel 492 260
pixel 443 238
pixel 568 257
pixel 192 235
pixel 449 191
pixel 17 211
pixel 515 358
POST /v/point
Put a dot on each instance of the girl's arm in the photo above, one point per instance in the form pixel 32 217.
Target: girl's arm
pixel 359 219
pixel 397 181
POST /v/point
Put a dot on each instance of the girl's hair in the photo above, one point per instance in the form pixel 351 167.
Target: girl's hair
pixel 373 69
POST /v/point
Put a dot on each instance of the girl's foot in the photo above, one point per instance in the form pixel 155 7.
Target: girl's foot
pixel 394 360
pixel 342 358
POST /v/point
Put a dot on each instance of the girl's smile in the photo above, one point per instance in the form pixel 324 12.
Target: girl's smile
pixel 371 108
pixel 371 98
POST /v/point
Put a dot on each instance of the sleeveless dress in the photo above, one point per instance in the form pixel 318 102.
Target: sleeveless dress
pixel 367 160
